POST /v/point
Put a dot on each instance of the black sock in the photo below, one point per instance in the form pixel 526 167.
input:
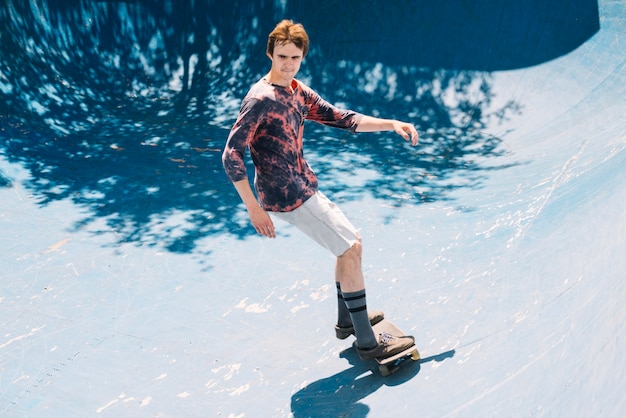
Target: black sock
pixel 343 314
pixel 357 306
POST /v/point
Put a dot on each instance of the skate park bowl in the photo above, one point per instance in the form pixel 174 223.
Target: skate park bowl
pixel 134 286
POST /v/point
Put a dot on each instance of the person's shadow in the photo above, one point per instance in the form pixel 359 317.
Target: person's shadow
pixel 339 395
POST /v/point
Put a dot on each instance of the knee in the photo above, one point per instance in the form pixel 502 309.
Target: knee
pixel 355 251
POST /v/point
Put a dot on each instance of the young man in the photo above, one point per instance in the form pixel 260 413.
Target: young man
pixel 270 125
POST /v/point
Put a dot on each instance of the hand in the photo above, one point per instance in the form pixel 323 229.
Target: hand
pixel 262 222
pixel 406 131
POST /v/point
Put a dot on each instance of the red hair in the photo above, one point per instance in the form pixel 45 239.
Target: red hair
pixel 288 31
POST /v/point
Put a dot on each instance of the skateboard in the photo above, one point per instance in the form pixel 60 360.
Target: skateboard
pixel 390 365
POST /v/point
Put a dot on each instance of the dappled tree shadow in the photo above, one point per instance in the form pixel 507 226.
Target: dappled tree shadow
pixel 453 144
pixel 124 107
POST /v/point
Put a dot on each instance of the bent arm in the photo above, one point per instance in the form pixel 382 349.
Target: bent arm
pixel 233 161
pixel 404 129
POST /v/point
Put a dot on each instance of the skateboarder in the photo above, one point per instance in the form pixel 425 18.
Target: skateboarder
pixel 270 125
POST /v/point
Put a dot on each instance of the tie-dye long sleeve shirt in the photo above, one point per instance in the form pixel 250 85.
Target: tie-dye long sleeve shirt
pixel 270 125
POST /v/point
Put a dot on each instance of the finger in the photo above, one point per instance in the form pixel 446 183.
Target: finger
pixel 267 231
pixel 403 133
pixel 413 134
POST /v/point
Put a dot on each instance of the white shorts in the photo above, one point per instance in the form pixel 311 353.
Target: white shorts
pixel 324 222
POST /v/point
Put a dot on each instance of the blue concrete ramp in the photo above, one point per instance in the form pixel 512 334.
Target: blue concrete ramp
pixel 133 285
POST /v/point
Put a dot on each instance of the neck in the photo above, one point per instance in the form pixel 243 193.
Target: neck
pixel 279 81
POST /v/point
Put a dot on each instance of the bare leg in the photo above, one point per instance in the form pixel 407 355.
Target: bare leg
pixel 349 275
pixel 348 270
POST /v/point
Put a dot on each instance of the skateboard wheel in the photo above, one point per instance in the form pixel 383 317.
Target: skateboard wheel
pixel 415 355
pixel 384 370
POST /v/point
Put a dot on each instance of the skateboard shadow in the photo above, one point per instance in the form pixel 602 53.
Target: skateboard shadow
pixel 340 395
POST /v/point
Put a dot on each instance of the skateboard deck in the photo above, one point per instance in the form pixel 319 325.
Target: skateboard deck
pixel 390 365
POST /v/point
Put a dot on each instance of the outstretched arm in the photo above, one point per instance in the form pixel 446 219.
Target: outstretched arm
pixel 404 129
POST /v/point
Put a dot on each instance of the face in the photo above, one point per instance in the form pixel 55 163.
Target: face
pixel 285 63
